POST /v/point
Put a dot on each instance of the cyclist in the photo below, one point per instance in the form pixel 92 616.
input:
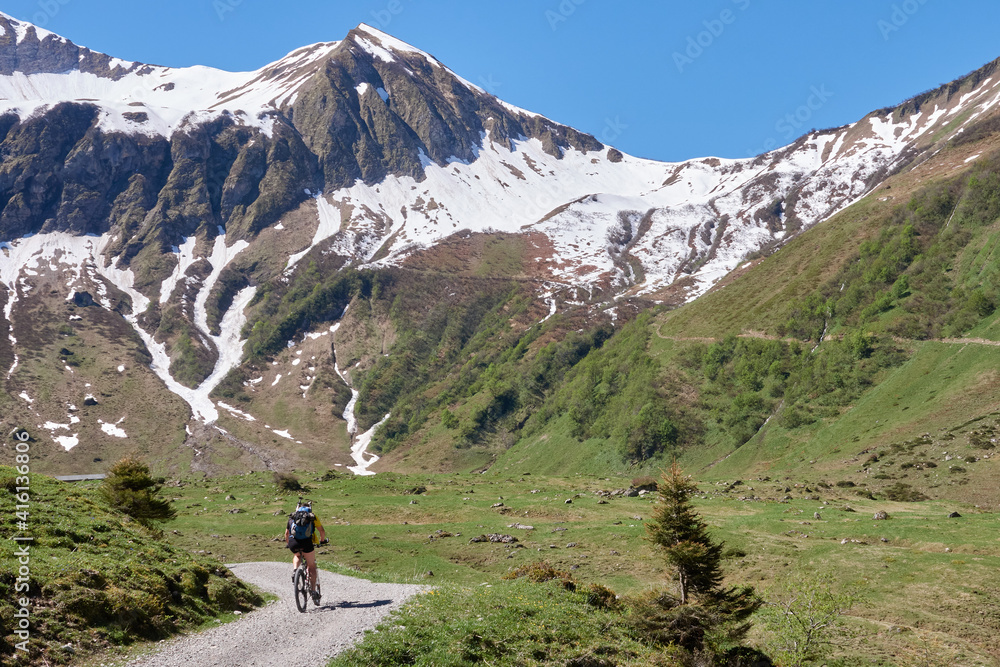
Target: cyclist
pixel 304 548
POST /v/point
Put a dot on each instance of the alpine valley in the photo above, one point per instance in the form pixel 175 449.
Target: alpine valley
pixel 354 252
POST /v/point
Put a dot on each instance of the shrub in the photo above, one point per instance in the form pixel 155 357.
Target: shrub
pixel 660 618
pixel 903 493
pixel 287 482
pixel 540 572
pixel 644 482
pixel 601 597
pixel 130 489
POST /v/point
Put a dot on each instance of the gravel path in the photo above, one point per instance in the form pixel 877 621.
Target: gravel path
pixel 277 635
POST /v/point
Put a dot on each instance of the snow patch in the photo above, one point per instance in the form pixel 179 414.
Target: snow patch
pixel 67 442
pixel 237 412
pixel 359 450
pixel 113 429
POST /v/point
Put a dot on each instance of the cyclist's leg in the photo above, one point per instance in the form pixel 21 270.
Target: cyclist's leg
pixel 311 564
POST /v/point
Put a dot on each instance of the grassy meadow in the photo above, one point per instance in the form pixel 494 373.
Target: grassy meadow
pixel 929 583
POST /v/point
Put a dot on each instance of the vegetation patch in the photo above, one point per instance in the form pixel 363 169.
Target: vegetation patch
pixel 99 578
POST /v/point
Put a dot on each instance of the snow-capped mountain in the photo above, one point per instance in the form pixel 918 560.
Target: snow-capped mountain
pixel 170 196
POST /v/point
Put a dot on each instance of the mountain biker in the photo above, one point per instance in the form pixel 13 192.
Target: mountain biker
pixel 304 548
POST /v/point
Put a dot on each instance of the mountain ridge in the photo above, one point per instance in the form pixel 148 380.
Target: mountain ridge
pixel 369 154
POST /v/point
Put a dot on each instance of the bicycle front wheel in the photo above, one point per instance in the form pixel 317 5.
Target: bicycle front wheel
pixel 301 589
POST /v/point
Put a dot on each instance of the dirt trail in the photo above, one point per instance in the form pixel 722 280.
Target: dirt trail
pixel 277 635
pixel 763 336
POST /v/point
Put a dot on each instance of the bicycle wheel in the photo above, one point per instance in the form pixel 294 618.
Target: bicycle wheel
pixel 301 589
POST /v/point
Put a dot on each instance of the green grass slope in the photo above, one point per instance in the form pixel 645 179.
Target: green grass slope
pixel 930 582
pixel 872 329
pixel 93 579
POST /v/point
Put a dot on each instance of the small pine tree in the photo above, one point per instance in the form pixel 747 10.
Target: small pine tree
pixel 684 537
pixel 131 489
pixel 705 606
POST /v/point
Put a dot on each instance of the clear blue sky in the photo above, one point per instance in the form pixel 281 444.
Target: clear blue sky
pixel 624 71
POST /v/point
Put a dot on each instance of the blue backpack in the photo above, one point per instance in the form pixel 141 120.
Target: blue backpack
pixel 302 523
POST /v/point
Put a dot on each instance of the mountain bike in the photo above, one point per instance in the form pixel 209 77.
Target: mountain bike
pixel 300 583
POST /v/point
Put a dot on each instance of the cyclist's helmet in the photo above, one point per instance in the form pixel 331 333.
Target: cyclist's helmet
pixel 303 508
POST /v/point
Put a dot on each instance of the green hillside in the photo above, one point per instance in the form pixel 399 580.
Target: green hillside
pixel 96 579
pixel 870 330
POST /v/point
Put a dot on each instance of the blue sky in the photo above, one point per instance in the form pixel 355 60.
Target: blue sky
pixel 668 80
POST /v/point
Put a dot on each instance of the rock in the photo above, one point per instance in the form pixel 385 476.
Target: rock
pixel 521 526
pixel 416 491
pixel 89 400
pixel 495 538
pixel 880 516
pixel 602 502
pixel 497 505
pixel 569 501
pixel 428 573
pixel 413 502
pixel 277 513
pixel 83 299
pixel 954 515
pixel 236 510
pixel 230 497
pixel 816 515
pixel 571 545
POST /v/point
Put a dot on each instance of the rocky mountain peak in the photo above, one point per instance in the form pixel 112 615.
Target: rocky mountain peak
pixel 28 49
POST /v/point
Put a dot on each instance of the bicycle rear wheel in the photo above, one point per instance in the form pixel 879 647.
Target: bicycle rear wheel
pixel 301 589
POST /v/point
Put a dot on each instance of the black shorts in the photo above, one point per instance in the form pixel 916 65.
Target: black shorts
pixel 304 546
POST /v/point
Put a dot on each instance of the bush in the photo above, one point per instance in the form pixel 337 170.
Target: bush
pixel 903 493
pixel 540 572
pixel 601 597
pixel 644 482
pixel 287 482
pixel 130 489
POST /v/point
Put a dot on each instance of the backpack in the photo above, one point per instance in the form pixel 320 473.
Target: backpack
pixel 302 523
